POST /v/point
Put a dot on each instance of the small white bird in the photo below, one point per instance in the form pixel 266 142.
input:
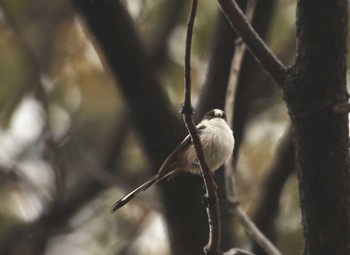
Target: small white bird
pixel 217 141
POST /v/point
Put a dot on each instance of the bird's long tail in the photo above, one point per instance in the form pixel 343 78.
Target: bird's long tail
pixel 124 200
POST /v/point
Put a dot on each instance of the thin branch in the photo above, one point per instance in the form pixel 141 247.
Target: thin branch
pixel 254 82
pixel 229 165
pixel 186 107
pixel 237 251
pixel 113 30
pixel 235 207
pixel 252 230
pixel 212 95
pixel 213 246
pixel 255 44
pixel 230 94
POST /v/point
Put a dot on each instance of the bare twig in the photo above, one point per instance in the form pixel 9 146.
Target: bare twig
pixel 231 89
pixel 213 246
pixel 254 43
pixel 237 251
pixel 186 107
pixel 236 65
pixel 252 230
pixel 230 93
pixel 113 31
pixel 254 82
pixel 235 207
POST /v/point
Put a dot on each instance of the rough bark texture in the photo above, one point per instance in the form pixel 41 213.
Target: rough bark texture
pixel 317 82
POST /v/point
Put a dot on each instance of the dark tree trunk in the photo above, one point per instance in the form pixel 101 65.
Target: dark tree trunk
pixel 316 84
pixel 157 126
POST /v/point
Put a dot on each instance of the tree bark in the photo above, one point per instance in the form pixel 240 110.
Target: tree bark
pixel 318 82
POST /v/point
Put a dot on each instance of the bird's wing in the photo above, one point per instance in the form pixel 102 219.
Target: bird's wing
pixel 167 169
pixel 168 164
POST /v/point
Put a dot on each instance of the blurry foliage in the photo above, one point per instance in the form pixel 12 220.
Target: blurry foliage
pixel 84 108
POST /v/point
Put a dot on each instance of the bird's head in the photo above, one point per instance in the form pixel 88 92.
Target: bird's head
pixel 215 113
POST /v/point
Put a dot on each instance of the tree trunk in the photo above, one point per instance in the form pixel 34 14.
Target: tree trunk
pixel 318 82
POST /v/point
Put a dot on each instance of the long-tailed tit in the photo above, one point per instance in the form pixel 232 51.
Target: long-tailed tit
pixel 217 140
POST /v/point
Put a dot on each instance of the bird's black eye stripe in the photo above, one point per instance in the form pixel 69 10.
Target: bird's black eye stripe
pixel 216 113
pixel 209 115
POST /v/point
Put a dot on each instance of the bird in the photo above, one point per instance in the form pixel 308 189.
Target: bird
pixel 217 142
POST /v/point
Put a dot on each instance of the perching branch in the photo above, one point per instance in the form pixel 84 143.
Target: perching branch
pixel 113 31
pixel 186 107
pixel 213 246
pixel 255 44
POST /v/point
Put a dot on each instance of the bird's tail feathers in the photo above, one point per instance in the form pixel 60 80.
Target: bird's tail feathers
pixel 124 200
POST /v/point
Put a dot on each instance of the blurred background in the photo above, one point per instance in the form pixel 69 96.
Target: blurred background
pixel 70 141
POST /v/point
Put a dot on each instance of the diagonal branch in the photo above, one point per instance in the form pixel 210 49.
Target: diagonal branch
pixel 252 229
pixel 230 95
pixel 235 207
pixel 255 44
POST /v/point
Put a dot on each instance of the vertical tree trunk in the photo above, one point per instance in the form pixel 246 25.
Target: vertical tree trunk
pixel 316 84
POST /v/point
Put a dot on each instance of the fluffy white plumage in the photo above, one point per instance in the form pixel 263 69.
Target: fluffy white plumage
pixel 218 142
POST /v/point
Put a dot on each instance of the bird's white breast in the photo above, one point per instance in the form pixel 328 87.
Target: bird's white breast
pixel 218 142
